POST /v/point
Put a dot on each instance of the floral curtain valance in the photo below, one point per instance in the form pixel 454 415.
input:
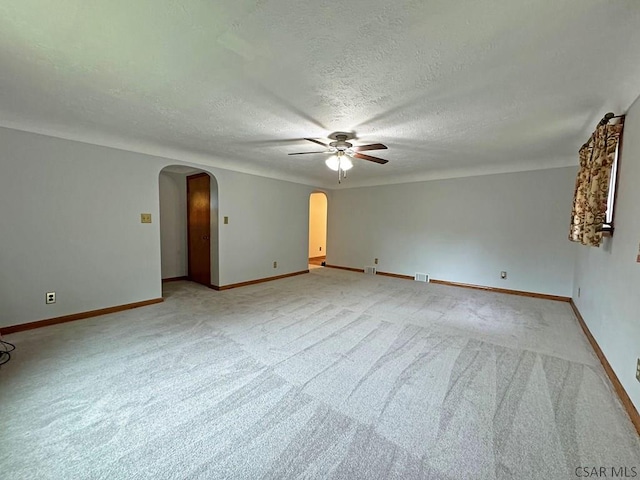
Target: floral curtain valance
pixel 592 184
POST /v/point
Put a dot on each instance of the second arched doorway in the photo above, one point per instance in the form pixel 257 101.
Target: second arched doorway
pixel 317 229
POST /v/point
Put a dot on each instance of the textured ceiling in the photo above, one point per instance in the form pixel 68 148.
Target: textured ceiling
pixel 451 87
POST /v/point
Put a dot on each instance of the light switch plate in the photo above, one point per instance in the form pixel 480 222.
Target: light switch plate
pixel 638 370
pixel 226 220
pixel 145 218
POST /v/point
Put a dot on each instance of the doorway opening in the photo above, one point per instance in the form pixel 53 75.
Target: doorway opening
pixel 317 229
pixel 189 225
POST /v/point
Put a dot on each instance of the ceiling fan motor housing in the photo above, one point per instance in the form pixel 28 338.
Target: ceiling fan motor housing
pixel 341 145
pixel 341 138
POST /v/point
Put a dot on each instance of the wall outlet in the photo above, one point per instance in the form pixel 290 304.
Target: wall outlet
pixel 226 220
pixel 275 264
pixel 503 275
pixel 638 370
pixel 375 261
pixel 50 297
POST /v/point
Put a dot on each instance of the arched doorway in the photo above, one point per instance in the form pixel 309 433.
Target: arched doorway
pixel 317 229
pixel 189 225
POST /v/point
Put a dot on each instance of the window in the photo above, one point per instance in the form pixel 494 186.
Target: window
pixel 607 227
pixel 595 191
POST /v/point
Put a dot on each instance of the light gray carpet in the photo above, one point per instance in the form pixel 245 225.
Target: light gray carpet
pixel 327 375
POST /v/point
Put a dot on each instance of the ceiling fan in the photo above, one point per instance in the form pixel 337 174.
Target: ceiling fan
pixel 341 150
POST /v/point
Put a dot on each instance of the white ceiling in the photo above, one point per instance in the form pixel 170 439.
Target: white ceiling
pixel 451 87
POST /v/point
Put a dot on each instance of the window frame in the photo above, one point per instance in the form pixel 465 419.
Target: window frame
pixel 608 225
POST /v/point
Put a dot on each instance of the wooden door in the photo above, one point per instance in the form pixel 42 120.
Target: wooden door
pixel 199 228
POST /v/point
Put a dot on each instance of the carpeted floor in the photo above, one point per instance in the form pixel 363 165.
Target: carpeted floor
pixel 331 374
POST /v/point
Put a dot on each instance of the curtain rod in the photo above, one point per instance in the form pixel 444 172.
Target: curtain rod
pixel 608 117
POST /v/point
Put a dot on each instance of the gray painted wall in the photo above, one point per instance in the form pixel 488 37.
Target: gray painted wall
pixel 462 230
pixel 609 276
pixel 71 224
pixel 173 224
pixel 70 216
pixel 268 221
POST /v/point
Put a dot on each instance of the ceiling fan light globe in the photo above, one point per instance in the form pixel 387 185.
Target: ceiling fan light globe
pixel 333 163
pixel 346 164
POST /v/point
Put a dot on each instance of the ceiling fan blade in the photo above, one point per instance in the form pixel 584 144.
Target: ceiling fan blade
pixel 362 156
pixel 373 146
pixel 306 153
pixel 318 142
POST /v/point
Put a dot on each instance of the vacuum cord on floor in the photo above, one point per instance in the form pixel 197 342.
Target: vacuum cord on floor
pixel 5 348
